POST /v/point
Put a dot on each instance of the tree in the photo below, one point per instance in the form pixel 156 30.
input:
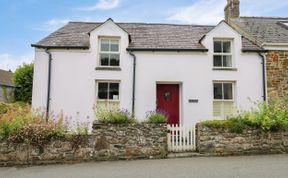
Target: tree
pixel 23 79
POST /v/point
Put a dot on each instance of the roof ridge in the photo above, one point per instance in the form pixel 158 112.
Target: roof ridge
pixel 143 23
pixel 263 17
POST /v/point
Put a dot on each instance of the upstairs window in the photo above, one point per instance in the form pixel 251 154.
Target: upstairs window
pixel 222 57
pixel 109 53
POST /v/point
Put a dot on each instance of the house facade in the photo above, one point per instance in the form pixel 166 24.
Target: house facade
pixel 7 88
pixel 192 72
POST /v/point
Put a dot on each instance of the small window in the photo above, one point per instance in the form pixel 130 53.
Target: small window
pixel 222 53
pixel 108 91
pixel 223 104
pixel 109 53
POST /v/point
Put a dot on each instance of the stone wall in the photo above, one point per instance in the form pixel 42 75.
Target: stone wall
pixel 219 141
pixel 277 73
pixel 108 142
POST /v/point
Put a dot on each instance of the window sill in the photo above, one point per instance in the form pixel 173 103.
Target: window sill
pixel 226 69
pixel 108 68
pixel 112 101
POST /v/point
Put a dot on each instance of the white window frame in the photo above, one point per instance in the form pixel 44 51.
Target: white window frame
pixel 223 54
pixel 223 100
pixel 107 81
pixel 108 52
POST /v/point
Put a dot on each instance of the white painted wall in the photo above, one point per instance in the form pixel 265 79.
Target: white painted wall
pixel 73 89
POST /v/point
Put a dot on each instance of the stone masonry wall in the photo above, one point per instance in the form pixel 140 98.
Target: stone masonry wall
pixel 219 141
pixel 277 73
pixel 108 142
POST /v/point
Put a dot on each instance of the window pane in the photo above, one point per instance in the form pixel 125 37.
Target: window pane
pixel 228 91
pixel 226 47
pixel 104 45
pixel 114 46
pixel 103 90
pixel 114 91
pixel 217 61
pixel 227 61
pixel 218 91
pixel 217 47
pixel 104 59
pixel 114 60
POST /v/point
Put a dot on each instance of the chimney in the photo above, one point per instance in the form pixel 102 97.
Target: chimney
pixel 232 10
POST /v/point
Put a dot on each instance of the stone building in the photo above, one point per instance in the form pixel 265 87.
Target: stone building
pixel 7 87
pixel 270 33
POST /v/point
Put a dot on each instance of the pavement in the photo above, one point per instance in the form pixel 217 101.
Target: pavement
pixel 268 166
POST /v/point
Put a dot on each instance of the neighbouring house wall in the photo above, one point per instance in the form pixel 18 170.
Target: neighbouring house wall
pixel 7 94
pixel 108 142
pixel 219 141
pixel 277 74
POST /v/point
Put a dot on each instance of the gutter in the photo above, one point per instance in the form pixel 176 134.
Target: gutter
pixel 134 82
pixel 49 83
pixel 263 57
pixel 168 49
pixel 59 47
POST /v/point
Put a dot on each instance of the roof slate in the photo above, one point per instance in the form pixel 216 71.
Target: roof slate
pixel 6 78
pixel 143 36
pixel 264 29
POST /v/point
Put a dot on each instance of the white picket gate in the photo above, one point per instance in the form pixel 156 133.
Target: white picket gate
pixel 181 138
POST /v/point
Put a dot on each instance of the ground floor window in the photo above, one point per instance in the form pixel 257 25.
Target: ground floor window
pixel 108 94
pixel 223 103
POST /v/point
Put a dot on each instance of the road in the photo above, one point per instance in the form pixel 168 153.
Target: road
pixel 271 166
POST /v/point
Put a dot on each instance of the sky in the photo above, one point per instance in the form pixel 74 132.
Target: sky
pixel 24 22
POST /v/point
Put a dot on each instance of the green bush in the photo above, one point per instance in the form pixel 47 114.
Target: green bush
pixel 23 79
pixel 156 117
pixel 122 116
pixel 267 117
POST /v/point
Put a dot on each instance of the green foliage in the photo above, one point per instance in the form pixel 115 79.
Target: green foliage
pixel 156 117
pixel 122 116
pixel 23 79
pixel 267 117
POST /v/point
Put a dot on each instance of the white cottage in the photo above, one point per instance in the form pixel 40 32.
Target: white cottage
pixel 192 72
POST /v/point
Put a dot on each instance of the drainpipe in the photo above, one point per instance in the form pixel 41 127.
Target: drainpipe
pixel 134 82
pixel 49 83
pixel 263 57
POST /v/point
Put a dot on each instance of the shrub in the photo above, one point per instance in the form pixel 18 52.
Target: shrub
pixel 37 134
pixel 23 78
pixel 267 117
pixel 119 116
pixel 18 125
pixel 156 117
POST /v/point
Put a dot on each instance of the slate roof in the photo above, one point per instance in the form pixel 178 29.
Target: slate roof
pixel 264 29
pixel 6 78
pixel 143 36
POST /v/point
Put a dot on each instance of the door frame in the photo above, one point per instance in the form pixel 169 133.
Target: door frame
pixel 180 84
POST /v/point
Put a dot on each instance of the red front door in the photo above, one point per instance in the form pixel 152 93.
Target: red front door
pixel 168 101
